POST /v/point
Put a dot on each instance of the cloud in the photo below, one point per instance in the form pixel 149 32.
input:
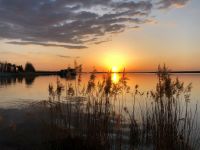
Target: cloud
pixel 64 56
pixel 68 21
pixel 72 23
pixel 163 4
pixel 47 44
pixel 68 57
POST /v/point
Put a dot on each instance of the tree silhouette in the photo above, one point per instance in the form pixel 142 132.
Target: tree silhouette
pixel 10 68
pixel 20 68
pixel 29 67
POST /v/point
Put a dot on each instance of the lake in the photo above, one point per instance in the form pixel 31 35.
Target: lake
pixel 16 91
pixel 32 116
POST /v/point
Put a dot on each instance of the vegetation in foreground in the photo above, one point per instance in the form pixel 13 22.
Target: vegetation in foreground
pixel 98 116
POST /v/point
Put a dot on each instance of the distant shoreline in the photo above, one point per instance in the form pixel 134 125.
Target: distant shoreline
pixel 152 72
pixel 50 73
pixel 24 74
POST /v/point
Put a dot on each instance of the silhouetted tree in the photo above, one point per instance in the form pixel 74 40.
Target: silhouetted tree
pixel 14 68
pixel 29 67
pixel 10 68
pixel 20 68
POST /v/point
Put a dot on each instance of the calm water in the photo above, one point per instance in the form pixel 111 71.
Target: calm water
pixel 16 91
pixel 22 128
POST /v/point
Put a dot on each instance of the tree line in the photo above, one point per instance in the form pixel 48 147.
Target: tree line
pixel 6 67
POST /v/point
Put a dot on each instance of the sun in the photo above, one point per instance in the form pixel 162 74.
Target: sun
pixel 114 69
pixel 114 61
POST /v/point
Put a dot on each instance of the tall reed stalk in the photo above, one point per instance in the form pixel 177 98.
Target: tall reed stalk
pixel 97 117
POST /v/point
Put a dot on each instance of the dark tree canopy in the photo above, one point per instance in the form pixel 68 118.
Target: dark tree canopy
pixel 29 67
pixel 20 68
pixel 10 68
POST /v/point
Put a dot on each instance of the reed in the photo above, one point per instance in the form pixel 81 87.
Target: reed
pixel 167 122
pixel 96 116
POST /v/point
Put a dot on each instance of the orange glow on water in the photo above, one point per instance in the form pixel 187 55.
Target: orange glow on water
pixel 115 77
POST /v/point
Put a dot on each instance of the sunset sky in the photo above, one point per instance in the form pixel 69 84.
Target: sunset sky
pixel 135 34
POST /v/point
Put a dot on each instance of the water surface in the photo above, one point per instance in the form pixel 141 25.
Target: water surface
pixel 16 91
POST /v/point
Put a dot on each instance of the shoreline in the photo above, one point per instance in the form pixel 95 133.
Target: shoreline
pixel 151 72
pixel 24 74
pixel 51 73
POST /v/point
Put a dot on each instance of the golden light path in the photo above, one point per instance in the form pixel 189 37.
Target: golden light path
pixel 115 62
pixel 115 77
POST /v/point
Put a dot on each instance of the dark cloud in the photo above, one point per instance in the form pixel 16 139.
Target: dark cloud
pixel 68 21
pixel 163 4
pixel 102 41
pixel 68 57
pixel 64 56
pixel 47 44
pixel 72 22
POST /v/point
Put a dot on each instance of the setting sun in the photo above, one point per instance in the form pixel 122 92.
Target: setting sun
pixel 114 69
pixel 115 61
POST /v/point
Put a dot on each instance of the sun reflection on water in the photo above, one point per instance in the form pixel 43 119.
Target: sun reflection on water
pixel 115 77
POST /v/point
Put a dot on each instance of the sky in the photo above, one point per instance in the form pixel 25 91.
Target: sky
pixel 134 34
